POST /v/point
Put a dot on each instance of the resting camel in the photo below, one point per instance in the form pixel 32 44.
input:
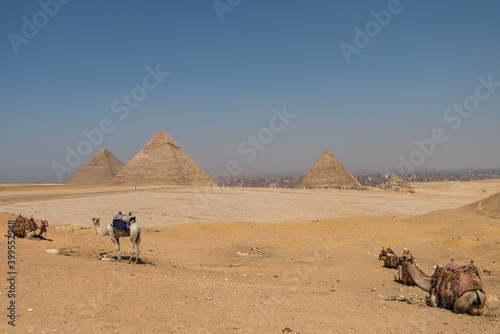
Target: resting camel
pixel 27 228
pixel 115 234
pixel 452 287
pixel 389 257
pixel 391 260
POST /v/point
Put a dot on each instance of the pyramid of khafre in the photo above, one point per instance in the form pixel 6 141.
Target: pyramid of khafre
pixel 328 173
pixel 163 162
pixel 100 169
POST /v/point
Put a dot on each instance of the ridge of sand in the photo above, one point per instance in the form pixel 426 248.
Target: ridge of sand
pixel 489 206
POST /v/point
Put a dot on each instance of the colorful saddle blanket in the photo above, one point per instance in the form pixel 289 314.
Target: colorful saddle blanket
pixel 391 261
pixel 404 276
pixel 24 224
pixel 453 281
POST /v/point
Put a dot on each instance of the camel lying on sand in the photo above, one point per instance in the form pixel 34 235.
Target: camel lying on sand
pixel 27 228
pixel 134 232
pixel 453 287
pixel 389 257
pixel 391 260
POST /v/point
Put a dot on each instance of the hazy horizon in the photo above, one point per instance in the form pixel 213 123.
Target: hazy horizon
pixel 269 85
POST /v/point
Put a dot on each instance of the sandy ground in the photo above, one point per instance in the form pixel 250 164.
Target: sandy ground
pixel 245 260
pixel 178 205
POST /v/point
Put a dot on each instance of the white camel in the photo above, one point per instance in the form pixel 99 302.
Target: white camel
pixel 115 234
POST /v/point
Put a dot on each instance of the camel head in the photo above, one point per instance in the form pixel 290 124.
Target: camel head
pixel 407 256
pixel 44 224
pixel 385 252
pixel 382 253
pixel 96 221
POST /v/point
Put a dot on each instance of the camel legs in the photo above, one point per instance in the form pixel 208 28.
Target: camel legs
pixel 470 302
pixel 32 235
pixel 133 252
pixel 432 299
pixel 116 242
pixel 138 251
pixel 135 248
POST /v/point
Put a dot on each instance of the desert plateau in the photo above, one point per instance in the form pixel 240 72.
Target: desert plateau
pixel 240 260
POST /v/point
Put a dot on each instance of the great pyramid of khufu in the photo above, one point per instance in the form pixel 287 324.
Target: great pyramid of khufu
pixel 100 169
pixel 163 162
pixel 328 173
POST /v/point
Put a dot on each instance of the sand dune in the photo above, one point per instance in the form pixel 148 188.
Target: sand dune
pixel 489 206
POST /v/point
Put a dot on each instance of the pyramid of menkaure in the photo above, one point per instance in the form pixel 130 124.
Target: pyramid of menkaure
pixel 328 172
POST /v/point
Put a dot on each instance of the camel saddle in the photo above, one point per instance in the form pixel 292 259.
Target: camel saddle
pixel 22 224
pixel 122 222
pixel 453 281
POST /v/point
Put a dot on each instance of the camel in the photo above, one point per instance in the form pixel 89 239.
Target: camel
pixel 452 287
pixel 115 234
pixel 27 228
pixel 389 257
pixel 391 260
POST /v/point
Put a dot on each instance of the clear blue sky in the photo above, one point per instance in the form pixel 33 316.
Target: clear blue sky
pixel 226 77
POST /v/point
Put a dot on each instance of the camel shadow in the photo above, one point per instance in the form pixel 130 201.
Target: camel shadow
pixel 125 260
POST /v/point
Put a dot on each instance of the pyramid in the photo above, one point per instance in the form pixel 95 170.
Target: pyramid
pixel 163 162
pixel 328 173
pixel 100 169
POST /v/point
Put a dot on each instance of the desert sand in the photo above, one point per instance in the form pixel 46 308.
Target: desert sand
pixel 245 260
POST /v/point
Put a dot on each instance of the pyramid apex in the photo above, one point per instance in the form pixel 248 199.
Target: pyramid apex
pixel 103 153
pixel 161 138
pixel 328 155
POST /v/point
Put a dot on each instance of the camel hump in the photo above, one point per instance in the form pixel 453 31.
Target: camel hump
pixel 125 218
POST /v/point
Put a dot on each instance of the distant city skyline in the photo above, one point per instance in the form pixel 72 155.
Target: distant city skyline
pixel 250 87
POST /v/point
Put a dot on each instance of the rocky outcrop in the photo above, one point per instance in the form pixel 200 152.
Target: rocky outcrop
pixel 397 185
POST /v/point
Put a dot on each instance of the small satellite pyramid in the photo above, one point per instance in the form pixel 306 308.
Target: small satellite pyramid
pixel 163 162
pixel 328 173
pixel 100 169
